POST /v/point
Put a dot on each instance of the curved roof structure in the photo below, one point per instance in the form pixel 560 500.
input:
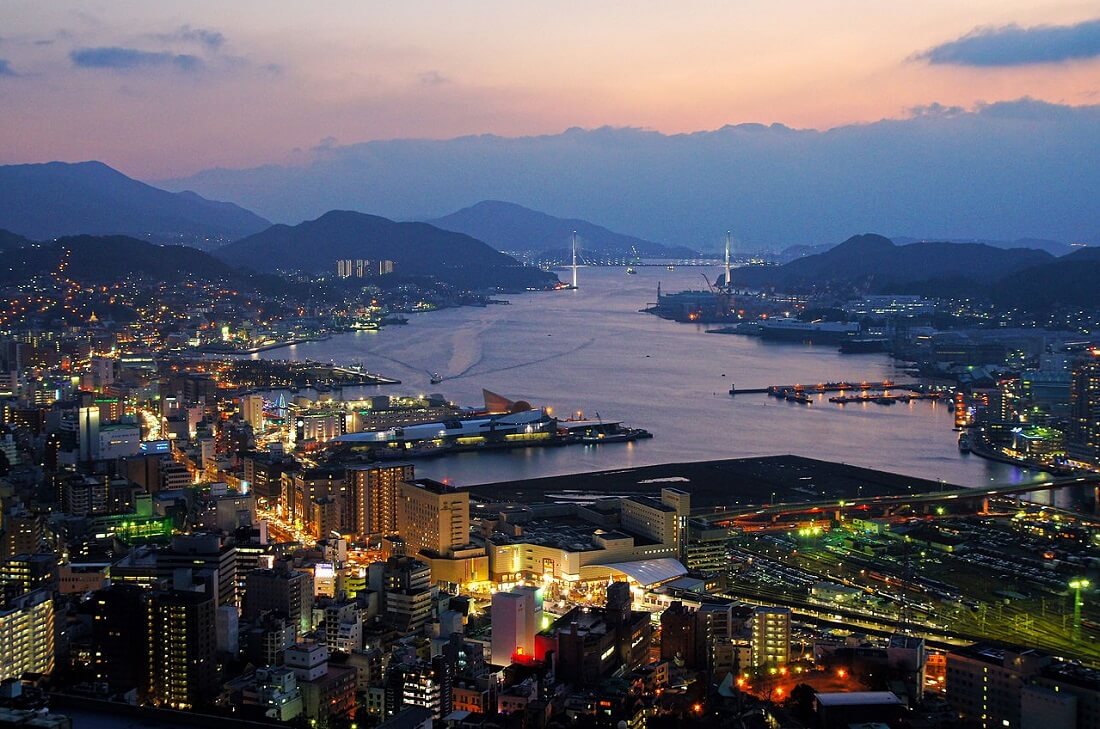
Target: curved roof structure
pixel 647 572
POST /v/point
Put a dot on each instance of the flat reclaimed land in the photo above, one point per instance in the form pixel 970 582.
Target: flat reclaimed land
pixel 724 483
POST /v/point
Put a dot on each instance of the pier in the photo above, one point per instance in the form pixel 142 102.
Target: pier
pixel 821 387
pixel 885 397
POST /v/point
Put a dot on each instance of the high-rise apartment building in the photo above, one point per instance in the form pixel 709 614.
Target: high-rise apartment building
pixel 27 635
pixel 252 411
pixel 771 636
pixel 373 492
pixel 182 644
pixel 1084 433
pixel 88 433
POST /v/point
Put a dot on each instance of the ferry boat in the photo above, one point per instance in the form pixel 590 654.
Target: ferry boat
pixel 365 325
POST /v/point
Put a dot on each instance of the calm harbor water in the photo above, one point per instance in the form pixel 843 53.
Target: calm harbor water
pixel 592 350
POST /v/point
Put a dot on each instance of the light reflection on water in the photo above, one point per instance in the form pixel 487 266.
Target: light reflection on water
pixel 592 350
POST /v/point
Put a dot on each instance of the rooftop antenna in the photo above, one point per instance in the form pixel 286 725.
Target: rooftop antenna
pixel 727 260
pixel 574 259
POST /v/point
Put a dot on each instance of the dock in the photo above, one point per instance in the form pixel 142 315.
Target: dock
pixel 821 387
pixel 885 398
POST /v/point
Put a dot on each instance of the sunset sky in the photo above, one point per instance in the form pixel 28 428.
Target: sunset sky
pixel 163 89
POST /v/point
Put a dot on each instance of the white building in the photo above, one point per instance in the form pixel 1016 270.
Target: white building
pixel 516 617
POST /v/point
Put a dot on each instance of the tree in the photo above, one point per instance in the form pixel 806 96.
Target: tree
pixel 801 702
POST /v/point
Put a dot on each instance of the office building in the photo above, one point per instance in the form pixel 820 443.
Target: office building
pixel 433 517
pixel 857 708
pixel 284 591
pixel 591 644
pixel 210 557
pixel 664 521
pixel 407 595
pixel 120 440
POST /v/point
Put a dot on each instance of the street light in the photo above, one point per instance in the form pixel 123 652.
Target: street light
pixel 1077 584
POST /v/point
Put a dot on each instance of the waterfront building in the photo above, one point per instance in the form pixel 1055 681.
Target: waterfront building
pixel 320 427
pixel 664 521
pixel 883 305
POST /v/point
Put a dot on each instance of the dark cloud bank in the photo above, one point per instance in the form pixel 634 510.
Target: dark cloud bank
pixel 1011 45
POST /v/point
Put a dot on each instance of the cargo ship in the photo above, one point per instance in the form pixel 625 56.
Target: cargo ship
pixel 808 331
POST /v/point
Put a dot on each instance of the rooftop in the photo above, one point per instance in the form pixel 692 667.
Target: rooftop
pixel 858 698
pixel 436 487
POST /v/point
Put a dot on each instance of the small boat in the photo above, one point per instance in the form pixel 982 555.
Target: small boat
pixel 630 270
pixel 964 443
pixel 671 267
pixel 436 378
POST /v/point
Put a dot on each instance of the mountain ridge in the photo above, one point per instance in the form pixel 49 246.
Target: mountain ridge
pixel 416 248
pixel 56 199
pixel 508 226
